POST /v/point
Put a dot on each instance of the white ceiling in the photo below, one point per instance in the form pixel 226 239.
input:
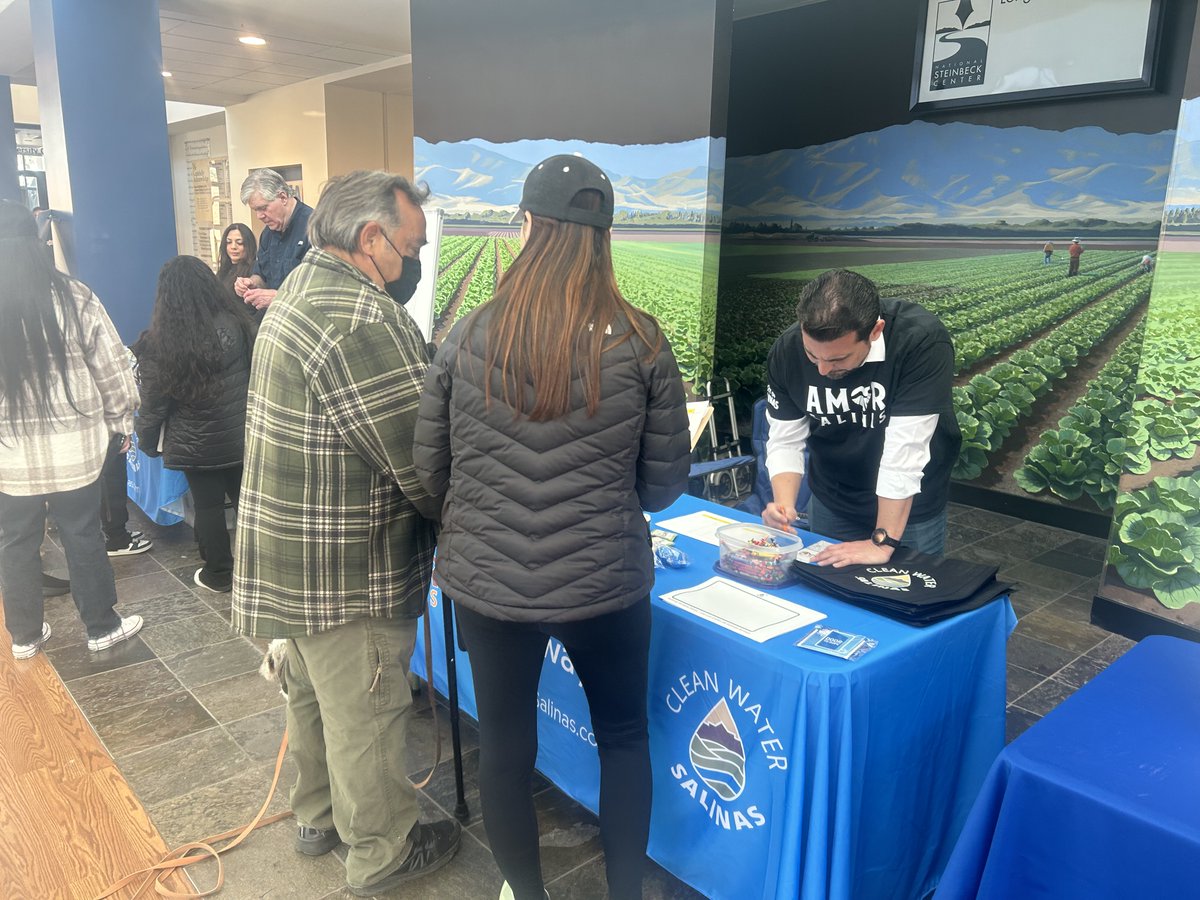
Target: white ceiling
pixel 305 39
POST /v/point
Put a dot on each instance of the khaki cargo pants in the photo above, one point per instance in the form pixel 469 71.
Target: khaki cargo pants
pixel 347 714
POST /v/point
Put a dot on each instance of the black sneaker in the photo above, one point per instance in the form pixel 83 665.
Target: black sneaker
pixel 316 841
pixel 432 846
pixel 135 546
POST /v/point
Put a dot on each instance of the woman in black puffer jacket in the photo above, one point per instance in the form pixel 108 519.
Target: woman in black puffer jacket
pixel 194 371
pixel 552 416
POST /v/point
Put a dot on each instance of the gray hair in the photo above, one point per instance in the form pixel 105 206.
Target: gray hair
pixel 266 183
pixel 350 202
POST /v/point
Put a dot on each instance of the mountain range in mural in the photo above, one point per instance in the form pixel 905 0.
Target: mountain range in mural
pixel 468 177
pixel 954 173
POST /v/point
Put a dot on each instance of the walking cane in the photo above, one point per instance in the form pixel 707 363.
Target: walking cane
pixel 460 808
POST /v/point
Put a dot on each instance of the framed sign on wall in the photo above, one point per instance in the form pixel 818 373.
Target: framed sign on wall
pixel 987 52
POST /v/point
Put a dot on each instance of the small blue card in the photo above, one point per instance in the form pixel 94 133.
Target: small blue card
pixel 842 644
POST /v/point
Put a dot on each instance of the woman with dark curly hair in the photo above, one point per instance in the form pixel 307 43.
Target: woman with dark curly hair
pixel 194 370
pixel 236 260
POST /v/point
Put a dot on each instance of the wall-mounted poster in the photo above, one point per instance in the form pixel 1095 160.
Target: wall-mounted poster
pixel 983 52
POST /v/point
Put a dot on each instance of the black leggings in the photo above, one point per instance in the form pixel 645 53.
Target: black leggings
pixel 611 655
pixel 209 488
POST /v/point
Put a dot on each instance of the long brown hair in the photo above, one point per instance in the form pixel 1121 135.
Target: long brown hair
pixel 553 315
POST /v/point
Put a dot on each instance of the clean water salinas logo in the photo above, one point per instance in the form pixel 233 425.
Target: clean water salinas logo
pixel 732 753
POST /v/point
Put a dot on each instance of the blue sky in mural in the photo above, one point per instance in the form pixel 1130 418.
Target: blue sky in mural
pixel 955 172
pixel 480 174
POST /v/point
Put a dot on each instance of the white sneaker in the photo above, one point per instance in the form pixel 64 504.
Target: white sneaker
pixel 130 625
pixel 26 651
pixel 506 892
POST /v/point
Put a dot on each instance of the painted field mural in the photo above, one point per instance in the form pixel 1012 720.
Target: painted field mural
pixel 975 223
pixel 665 247
pixel 1154 561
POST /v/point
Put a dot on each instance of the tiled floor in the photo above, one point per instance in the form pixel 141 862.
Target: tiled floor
pixel 195 730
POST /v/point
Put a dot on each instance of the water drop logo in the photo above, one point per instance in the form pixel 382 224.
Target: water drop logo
pixel 900 581
pixel 717 753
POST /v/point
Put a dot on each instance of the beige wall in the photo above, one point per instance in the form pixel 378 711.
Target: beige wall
pixel 368 130
pixel 25 104
pixel 354 129
pixel 282 127
pixel 398 121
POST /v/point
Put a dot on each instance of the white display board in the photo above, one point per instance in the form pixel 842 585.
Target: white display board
pixel 982 52
pixel 420 307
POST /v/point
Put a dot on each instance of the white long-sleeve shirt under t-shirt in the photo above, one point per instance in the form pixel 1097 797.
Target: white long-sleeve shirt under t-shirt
pixel 905 452
pixel 886 429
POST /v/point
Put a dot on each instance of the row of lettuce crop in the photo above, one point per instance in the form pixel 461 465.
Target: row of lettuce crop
pixel 990 405
pixel 1156 527
pixel 1097 440
pixel 451 279
pixel 1156 539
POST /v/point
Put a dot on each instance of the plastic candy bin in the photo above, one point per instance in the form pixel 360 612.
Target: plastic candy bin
pixel 757 552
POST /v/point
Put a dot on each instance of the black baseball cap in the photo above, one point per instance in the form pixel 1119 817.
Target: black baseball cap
pixel 553 183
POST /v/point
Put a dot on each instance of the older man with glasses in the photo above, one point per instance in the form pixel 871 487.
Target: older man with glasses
pixel 335 533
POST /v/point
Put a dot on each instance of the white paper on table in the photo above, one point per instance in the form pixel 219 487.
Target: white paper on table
pixel 741 609
pixel 702 526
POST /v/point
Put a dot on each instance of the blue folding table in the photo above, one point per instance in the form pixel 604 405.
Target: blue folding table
pixel 837 779
pixel 1100 800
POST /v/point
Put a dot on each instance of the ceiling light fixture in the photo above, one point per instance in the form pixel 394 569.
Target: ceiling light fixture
pixel 166 74
pixel 251 40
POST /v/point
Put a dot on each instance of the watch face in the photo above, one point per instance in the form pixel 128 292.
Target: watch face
pixel 879 536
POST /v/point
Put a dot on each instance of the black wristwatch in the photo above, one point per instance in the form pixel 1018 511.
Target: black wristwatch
pixel 880 538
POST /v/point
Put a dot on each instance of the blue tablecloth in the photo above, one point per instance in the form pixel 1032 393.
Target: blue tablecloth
pixel 157 490
pixel 1101 798
pixel 840 779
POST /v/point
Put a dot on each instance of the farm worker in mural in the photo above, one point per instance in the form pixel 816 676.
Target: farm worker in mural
pixel 864 385
pixel 1147 264
pixel 1075 251
pixel 1047 252
pixel 283 241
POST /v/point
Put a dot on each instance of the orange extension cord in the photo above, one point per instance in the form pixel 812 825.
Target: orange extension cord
pixel 179 858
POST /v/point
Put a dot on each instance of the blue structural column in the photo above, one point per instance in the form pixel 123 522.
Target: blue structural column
pixel 8 144
pixel 104 134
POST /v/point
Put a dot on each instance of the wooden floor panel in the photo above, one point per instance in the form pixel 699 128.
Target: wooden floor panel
pixel 69 824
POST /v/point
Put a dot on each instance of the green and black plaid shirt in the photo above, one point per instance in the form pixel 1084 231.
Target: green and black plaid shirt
pixel 330 527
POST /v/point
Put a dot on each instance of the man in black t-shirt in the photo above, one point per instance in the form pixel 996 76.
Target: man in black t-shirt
pixel 864 386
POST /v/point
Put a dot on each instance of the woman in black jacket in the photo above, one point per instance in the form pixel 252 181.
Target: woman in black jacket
pixel 552 416
pixel 194 371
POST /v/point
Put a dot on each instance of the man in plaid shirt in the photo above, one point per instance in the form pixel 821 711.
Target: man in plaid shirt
pixel 334 541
